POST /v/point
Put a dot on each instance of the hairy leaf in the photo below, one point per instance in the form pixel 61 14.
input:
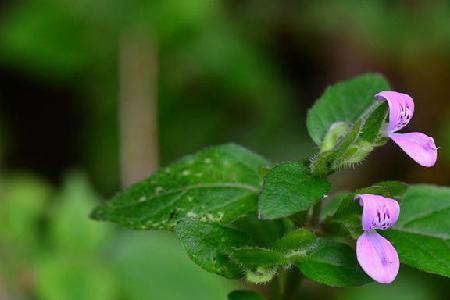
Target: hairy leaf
pixel 263 232
pixel 333 264
pixel 374 123
pixel 296 240
pixel 251 258
pixel 217 184
pixel 345 101
pixel 290 188
pixel 422 233
pixel 208 245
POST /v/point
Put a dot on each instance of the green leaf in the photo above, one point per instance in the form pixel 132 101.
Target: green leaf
pixel 333 264
pixel 263 232
pixel 69 229
pixel 290 188
pixel 392 189
pixel 421 235
pixel 343 102
pixel 58 277
pixel 63 48
pixel 260 265
pixel 295 241
pixel 353 145
pixel 374 123
pixel 155 267
pixel 244 295
pixel 251 258
pixel 208 245
pixel 24 199
pixel 217 184
pixel 330 207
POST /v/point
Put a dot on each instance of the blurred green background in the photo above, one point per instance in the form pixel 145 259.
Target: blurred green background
pixel 95 94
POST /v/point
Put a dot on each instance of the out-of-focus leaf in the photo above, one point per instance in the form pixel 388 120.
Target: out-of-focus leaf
pixel 289 188
pixel 44 35
pixel 333 264
pixel 154 266
pixel 408 285
pixel 421 235
pixel 217 184
pixel 71 230
pixel 244 295
pixel 208 245
pixel 345 101
pixel 23 200
pixel 62 277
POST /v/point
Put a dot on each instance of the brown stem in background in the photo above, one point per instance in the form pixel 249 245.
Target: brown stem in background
pixel 138 106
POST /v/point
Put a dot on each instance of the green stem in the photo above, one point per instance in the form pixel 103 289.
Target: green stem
pixel 315 219
pixel 276 287
pixel 292 284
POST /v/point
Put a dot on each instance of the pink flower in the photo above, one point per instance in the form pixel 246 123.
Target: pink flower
pixel 376 255
pixel 378 212
pixel 417 145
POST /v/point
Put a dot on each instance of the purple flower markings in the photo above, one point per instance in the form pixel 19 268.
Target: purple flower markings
pixel 375 254
pixel 417 145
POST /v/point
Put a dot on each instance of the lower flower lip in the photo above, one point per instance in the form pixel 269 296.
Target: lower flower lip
pixel 377 257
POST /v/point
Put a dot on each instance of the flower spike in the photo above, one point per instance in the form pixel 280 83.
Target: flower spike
pixel 378 212
pixel 418 146
pixel 377 257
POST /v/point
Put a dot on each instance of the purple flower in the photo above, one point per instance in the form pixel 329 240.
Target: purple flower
pixel 375 254
pixel 417 145
pixel 378 212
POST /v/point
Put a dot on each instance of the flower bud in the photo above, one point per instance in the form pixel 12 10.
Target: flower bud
pixel 334 134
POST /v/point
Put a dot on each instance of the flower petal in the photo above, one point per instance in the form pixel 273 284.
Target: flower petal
pixel 378 212
pixel 377 257
pixel 401 108
pixel 418 146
